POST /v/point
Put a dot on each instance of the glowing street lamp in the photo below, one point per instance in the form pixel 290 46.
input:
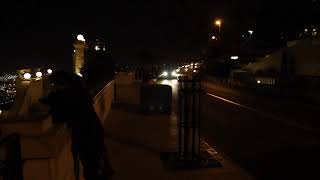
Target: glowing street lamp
pixel 39 74
pixel 27 76
pixel 218 23
pixel 80 37
pixel 49 71
pixel 234 57
pixel 213 37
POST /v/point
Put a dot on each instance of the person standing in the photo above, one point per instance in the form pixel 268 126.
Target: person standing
pixel 70 103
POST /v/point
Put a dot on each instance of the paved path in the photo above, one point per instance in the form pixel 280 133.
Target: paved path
pixel 135 142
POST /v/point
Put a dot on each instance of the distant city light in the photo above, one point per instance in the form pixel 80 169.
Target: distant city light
pixel 194 71
pixel 97 48
pixel 186 69
pixel 250 32
pixel 79 74
pixel 259 82
pixel 49 71
pixel 177 70
pixel 8 77
pixel 306 30
pixel 27 76
pixel 173 73
pixel 213 37
pixel 0 111
pixel 234 57
pixel 80 37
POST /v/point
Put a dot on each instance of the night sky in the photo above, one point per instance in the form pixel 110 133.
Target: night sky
pixel 41 33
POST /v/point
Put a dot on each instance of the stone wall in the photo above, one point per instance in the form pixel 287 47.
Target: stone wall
pixel 127 90
pixel 103 100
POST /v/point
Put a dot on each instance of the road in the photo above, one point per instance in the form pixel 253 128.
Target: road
pixel 261 135
pixel 269 138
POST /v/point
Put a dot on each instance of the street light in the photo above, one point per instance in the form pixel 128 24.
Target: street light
pixel 218 23
pixel 27 76
pixel 39 74
pixel 213 37
pixel 234 57
pixel 80 37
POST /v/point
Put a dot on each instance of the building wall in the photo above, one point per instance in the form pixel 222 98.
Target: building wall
pixel 79 56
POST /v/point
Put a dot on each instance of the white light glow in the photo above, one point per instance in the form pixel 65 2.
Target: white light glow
pixel 194 71
pixel 173 73
pixel 27 76
pixel 0 111
pixel 39 74
pixel 80 37
pixel 49 71
pixel 165 73
pixel 177 70
pixel 97 48
pixel 213 37
pixel 250 32
pixel 259 82
pixel 186 69
pixel 166 82
pixel 234 57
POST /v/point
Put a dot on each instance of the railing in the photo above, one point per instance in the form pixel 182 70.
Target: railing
pixel 10 158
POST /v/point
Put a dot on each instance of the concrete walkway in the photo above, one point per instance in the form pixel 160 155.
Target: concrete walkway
pixel 135 141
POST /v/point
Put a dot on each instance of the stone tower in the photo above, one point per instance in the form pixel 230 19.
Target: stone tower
pixel 80 48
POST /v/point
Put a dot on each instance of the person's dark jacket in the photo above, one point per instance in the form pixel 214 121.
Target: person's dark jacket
pixel 74 107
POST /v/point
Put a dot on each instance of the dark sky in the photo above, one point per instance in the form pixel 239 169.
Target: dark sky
pixel 41 33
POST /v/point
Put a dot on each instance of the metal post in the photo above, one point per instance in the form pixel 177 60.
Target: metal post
pixel 180 120
pixel 189 154
pixel 186 120
pixel 193 118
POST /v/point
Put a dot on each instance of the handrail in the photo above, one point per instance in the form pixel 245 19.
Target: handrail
pixel 102 91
